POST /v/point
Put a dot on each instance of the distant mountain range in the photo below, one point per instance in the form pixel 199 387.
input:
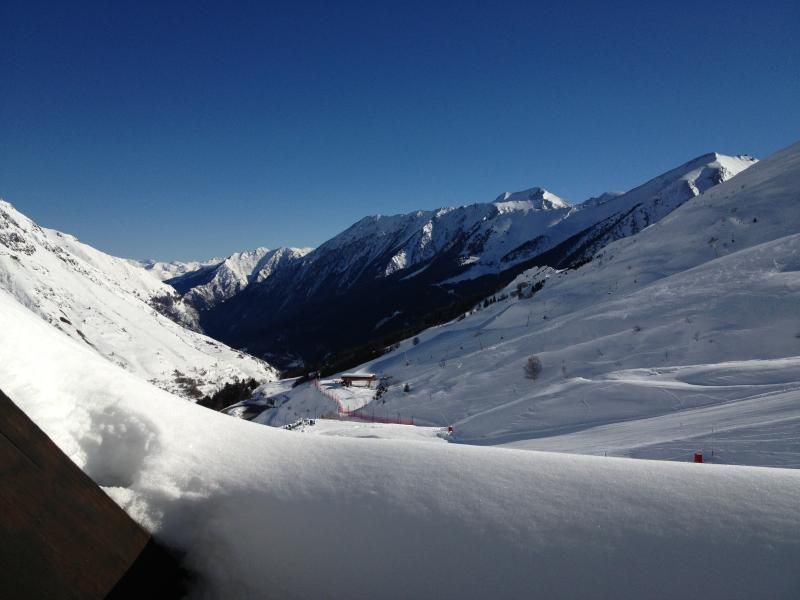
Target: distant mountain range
pixel 386 276
pixel 380 280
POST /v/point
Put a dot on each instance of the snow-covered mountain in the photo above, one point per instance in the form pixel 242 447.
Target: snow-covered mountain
pixel 214 283
pixel 487 238
pixel 169 270
pixel 609 217
pixel 116 308
pixel 380 246
pixel 538 198
pixel 681 338
pixel 385 274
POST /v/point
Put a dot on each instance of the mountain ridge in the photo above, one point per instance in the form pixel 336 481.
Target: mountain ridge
pixel 421 262
pixel 682 338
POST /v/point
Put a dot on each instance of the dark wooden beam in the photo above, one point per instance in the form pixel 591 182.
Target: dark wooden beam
pixel 61 536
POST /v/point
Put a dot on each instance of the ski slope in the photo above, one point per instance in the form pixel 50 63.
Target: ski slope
pixel 683 338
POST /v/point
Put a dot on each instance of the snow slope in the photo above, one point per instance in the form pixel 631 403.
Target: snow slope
pixel 684 337
pixel 262 512
pixel 114 307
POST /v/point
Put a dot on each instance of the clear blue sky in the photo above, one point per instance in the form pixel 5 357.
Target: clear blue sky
pixel 192 129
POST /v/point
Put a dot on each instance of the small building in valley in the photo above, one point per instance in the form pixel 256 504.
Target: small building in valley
pixel 359 379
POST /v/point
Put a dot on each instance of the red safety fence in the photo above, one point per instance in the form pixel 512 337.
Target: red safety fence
pixel 357 414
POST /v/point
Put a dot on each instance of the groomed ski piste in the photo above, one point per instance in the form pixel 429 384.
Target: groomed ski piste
pixel 705 319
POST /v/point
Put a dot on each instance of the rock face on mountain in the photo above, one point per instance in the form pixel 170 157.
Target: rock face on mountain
pixel 117 308
pixel 387 274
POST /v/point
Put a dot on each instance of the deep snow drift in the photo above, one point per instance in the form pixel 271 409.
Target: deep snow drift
pixel 267 512
pixel 114 307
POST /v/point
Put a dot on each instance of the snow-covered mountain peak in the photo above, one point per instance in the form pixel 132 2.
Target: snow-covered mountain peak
pixel 211 284
pixel 275 259
pixel 667 191
pixel 707 170
pixel 535 198
pixel 241 264
pixel 168 270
